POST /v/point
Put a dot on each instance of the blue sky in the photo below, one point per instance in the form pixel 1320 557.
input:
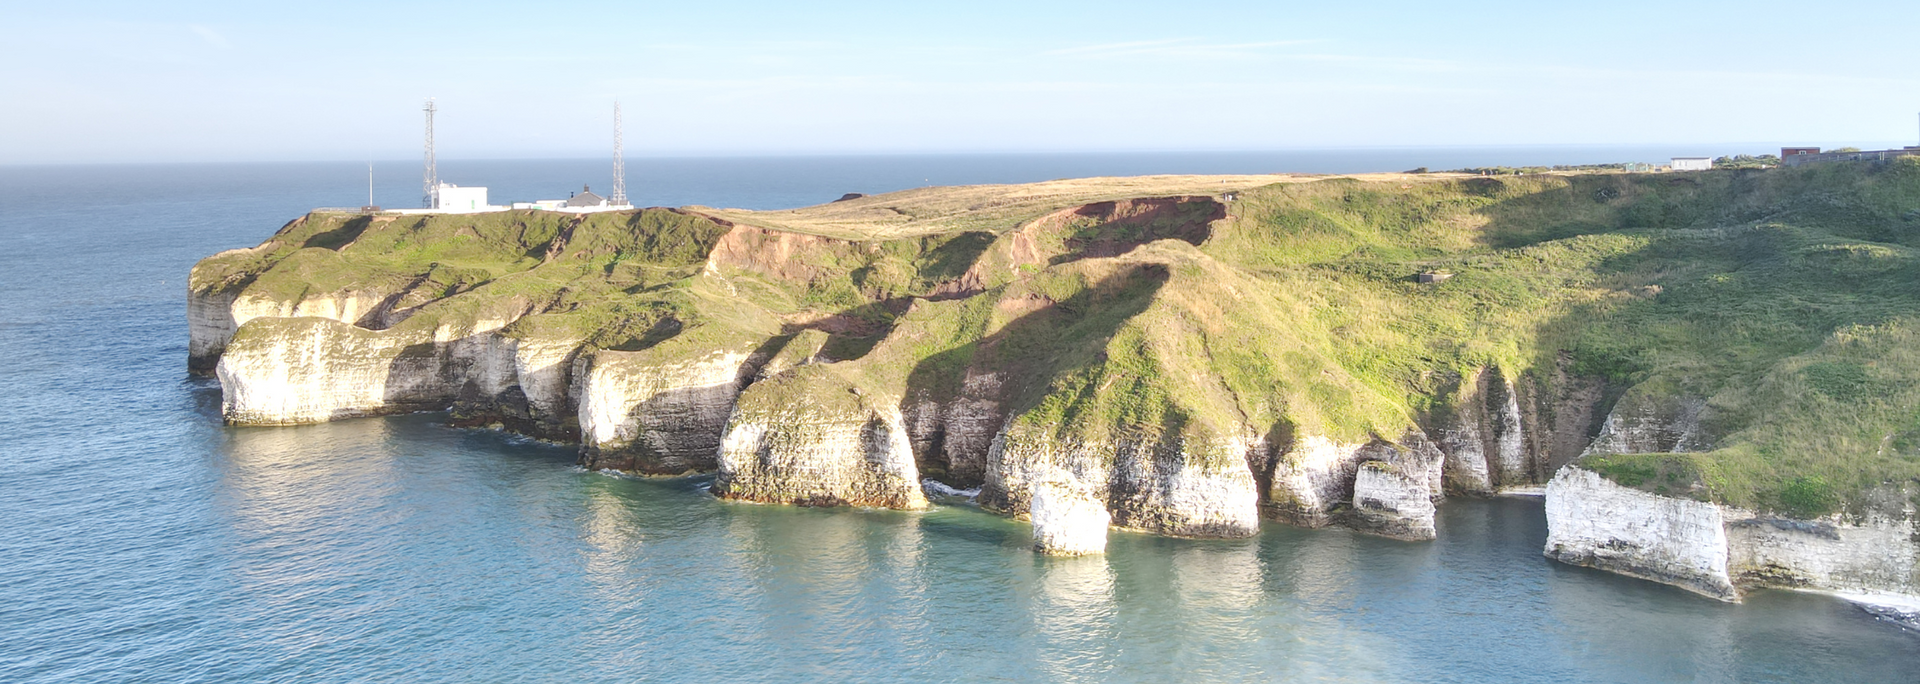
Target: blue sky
pixel 114 82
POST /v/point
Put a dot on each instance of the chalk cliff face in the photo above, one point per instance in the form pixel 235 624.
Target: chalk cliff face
pixel 1719 551
pixel 1483 435
pixel 1387 502
pixel 1068 519
pixel 1318 474
pixel 1599 524
pixel 1169 487
pixel 955 436
pixel 285 371
pixel 1642 424
pixel 1876 553
pixel 659 411
pixel 828 446
pixel 310 370
pixel 1560 413
pixel 526 387
pixel 1170 355
pixel 214 317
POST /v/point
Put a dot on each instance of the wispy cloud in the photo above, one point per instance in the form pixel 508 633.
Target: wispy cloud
pixel 1175 47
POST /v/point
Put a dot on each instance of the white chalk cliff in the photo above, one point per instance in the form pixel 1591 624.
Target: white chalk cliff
pixel 1088 360
pixel 1720 551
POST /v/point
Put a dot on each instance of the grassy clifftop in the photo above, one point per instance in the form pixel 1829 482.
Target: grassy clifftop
pixel 1766 317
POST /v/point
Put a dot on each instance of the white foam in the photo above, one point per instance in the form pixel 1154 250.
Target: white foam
pixel 609 472
pixel 1900 609
pixel 937 488
pixel 1525 491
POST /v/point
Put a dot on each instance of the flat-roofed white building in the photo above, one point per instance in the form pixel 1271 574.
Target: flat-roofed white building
pixel 1692 164
pixel 455 198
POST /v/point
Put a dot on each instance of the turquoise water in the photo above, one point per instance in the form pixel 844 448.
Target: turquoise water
pixel 142 541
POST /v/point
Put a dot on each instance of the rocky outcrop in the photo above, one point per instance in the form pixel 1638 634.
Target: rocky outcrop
pixel 528 389
pixel 1598 524
pixel 1315 475
pixel 1483 435
pixel 1166 486
pixel 214 316
pixel 1561 412
pixel 1719 551
pixel 1068 520
pixel 953 438
pixel 1387 502
pixel 658 411
pixel 812 438
pixel 286 371
pixel 1646 423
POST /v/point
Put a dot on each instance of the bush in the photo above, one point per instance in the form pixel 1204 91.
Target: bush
pixel 1747 161
pixel 1809 497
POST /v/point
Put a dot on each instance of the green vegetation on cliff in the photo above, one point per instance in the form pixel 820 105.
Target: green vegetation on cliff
pixel 1756 326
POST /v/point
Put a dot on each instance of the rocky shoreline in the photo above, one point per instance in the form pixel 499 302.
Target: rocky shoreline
pixel 1071 368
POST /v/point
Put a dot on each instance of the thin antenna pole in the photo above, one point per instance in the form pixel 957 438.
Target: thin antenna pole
pixel 619 163
pixel 431 180
pixel 369 182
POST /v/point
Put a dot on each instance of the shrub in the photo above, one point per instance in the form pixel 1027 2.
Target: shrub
pixel 1809 497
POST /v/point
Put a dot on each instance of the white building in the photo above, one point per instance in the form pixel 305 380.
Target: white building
pixel 1692 164
pixel 583 202
pixel 453 198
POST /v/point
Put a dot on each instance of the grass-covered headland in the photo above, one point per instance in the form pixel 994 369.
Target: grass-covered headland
pixel 1770 318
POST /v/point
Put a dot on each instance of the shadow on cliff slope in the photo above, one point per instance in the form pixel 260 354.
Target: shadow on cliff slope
pixel 978 385
pixel 1106 229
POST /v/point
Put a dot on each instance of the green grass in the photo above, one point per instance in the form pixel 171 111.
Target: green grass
pixel 1785 299
pixel 1736 287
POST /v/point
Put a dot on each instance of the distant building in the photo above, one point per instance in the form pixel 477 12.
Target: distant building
pixel 586 199
pixel 583 202
pixel 1851 155
pixel 1692 164
pixel 1432 276
pixel 1787 153
pixel 455 198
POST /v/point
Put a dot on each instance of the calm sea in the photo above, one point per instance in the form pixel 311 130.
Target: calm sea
pixel 141 541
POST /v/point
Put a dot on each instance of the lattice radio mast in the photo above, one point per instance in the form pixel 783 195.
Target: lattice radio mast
pixel 431 181
pixel 619 163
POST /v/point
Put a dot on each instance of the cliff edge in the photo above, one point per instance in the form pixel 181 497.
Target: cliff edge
pixel 1179 355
